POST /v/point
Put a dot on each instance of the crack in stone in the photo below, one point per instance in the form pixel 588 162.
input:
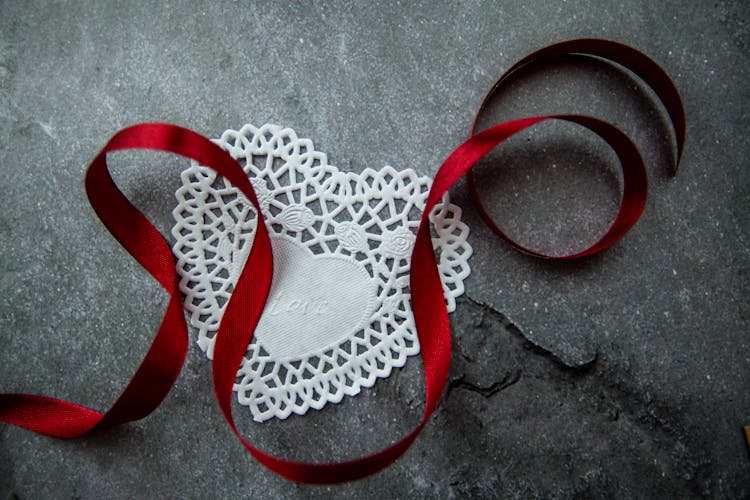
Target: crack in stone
pixel 531 344
pixel 461 383
pixel 614 393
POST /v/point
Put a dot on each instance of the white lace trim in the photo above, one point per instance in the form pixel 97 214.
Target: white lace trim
pixel 338 316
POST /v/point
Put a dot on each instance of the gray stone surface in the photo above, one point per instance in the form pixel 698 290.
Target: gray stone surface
pixel 626 374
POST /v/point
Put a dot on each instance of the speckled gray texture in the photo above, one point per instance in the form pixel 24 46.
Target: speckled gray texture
pixel 623 375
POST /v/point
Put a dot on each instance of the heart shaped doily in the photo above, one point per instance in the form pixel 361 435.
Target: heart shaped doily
pixel 338 315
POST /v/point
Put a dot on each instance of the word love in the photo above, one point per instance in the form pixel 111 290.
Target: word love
pixel 281 304
pixel 336 291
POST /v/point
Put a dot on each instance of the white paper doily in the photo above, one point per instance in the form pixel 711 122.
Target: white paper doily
pixel 338 315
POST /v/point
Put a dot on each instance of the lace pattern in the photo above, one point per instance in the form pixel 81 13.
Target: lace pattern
pixel 338 316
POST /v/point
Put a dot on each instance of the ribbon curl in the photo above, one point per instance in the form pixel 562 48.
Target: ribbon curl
pixel 160 367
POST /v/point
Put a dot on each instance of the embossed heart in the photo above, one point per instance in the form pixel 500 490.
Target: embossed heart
pixel 315 303
pixel 338 316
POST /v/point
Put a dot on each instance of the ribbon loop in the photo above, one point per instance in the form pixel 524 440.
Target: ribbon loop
pixel 633 170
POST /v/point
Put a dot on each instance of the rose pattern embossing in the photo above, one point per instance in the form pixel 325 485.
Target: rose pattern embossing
pixel 296 217
pixel 399 242
pixel 352 237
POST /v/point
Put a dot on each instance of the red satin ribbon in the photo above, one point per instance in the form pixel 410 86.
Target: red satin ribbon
pixel 633 200
pixel 159 369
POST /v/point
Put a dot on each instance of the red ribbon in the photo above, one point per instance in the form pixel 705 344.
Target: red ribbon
pixel 159 369
pixel 634 174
